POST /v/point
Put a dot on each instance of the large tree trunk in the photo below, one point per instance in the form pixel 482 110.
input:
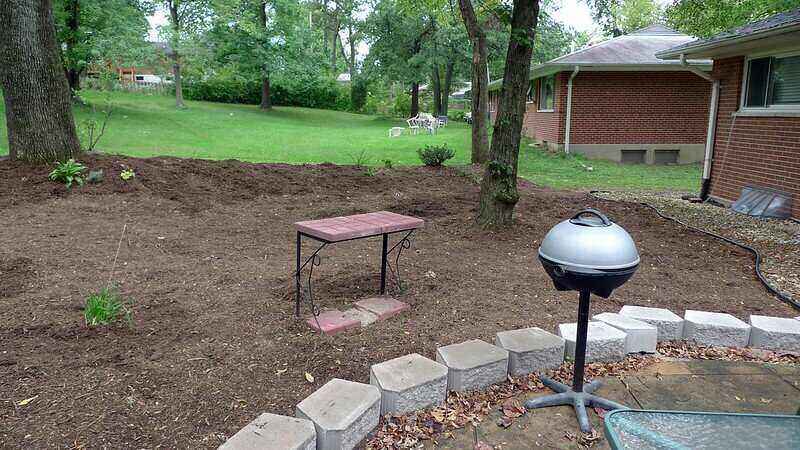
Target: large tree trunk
pixel 266 100
pixel 37 97
pixel 436 83
pixel 446 89
pixel 480 84
pixel 176 59
pixel 499 184
pixel 414 99
pixel 72 9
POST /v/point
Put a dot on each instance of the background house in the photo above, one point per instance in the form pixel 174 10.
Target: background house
pixel 616 100
pixel 756 139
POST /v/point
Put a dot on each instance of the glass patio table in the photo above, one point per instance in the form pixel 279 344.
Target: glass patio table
pixel 642 429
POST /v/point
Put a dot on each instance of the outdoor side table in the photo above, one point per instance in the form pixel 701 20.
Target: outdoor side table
pixel 646 429
pixel 348 228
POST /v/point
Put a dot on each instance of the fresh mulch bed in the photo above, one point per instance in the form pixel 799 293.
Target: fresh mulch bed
pixel 207 256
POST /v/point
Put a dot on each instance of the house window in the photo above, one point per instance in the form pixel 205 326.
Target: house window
pixel 773 82
pixel 531 98
pixel 546 93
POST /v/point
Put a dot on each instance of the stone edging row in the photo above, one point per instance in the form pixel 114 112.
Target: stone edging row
pixel 341 413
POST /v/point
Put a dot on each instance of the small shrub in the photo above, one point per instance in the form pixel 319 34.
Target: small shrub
pixel 127 174
pixel 68 172
pixel 105 307
pixel 456 115
pixel 435 155
pixel 359 159
pixel 387 163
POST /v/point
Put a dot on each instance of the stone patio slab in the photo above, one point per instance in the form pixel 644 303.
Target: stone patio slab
pixel 717 329
pixel 274 432
pixel 332 322
pixel 473 365
pixel 603 342
pixel 669 324
pixel 531 350
pixel 641 337
pixel 343 413
pixel 383 307
pixel 775 333
pixel 409 383
pixel 363 317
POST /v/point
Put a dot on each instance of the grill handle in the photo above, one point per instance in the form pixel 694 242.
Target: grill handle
pixel 577 220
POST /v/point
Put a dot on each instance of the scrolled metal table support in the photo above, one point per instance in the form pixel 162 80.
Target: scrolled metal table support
pixel 311 261
pixel 401 245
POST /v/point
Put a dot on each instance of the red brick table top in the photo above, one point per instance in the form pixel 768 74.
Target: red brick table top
pixel 337 229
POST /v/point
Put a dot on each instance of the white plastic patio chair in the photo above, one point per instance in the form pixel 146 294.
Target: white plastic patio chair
pixel 413 125
pixel 396 131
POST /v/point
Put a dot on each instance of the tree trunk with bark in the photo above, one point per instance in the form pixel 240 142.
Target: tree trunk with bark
pixel 37 97
pixel 446 89
pixel 480 83
pixel 436 83
pixel 175 56
pixel 266 96
pixel 499 193
pixel 72 9
pixel 414 99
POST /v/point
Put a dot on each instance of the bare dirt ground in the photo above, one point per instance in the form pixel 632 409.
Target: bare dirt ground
pixel 206 258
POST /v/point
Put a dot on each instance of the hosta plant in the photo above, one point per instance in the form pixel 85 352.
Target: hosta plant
pixel 68 172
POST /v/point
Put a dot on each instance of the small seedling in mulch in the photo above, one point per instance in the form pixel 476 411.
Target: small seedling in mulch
pixel 387 164
pixel 68 172
pixel 106 307
pixel 370 171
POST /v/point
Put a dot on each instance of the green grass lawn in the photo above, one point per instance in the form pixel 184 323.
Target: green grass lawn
pixel 149 125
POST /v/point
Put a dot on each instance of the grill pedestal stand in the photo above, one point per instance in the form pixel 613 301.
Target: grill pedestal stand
pixel 579 396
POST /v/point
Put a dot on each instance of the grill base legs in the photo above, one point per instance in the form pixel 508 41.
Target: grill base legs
pixel 578 400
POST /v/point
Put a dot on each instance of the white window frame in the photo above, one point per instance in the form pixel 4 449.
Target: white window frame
pixel 539 95
pixel 769 110
pixel 531 87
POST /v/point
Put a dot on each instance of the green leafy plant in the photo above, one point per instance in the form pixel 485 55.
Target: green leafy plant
pixel 370 171
pixel 387 164
pixel 435 155
pixel 68 172
pixel 105 307
pixel 127 174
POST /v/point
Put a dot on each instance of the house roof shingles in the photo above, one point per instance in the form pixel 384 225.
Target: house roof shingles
pixel 752 30
pixel 635 50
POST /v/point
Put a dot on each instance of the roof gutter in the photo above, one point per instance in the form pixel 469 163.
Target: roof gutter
pixel 569 108
pixel 712 126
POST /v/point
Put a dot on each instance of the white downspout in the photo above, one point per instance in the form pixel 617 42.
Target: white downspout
pixel 568 121
pixel 712 125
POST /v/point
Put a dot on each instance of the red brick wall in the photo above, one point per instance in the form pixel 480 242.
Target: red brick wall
pixel 760 151
pixel 639 108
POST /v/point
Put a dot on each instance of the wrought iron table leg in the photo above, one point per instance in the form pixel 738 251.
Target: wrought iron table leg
pixel 402 244
pixel 297 279
pixel 384 254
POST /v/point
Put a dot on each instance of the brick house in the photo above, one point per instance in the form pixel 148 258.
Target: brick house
pixel 615 100
pixel 756 99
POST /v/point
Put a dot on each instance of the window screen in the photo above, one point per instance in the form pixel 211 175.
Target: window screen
pixel 773 81
pixel 546 92
pixel 785 89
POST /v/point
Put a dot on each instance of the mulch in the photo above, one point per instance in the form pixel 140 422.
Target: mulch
pixel 206 260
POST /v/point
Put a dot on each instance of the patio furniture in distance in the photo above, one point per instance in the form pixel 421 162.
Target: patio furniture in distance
pixel 442 121
pixel 395 131
pixel 645 429
pixel 413 125
pixel 348 228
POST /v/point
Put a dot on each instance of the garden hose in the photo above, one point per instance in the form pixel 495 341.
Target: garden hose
pixel 783 296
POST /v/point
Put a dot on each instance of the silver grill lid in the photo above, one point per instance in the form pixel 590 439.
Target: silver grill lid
pixel 589 240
